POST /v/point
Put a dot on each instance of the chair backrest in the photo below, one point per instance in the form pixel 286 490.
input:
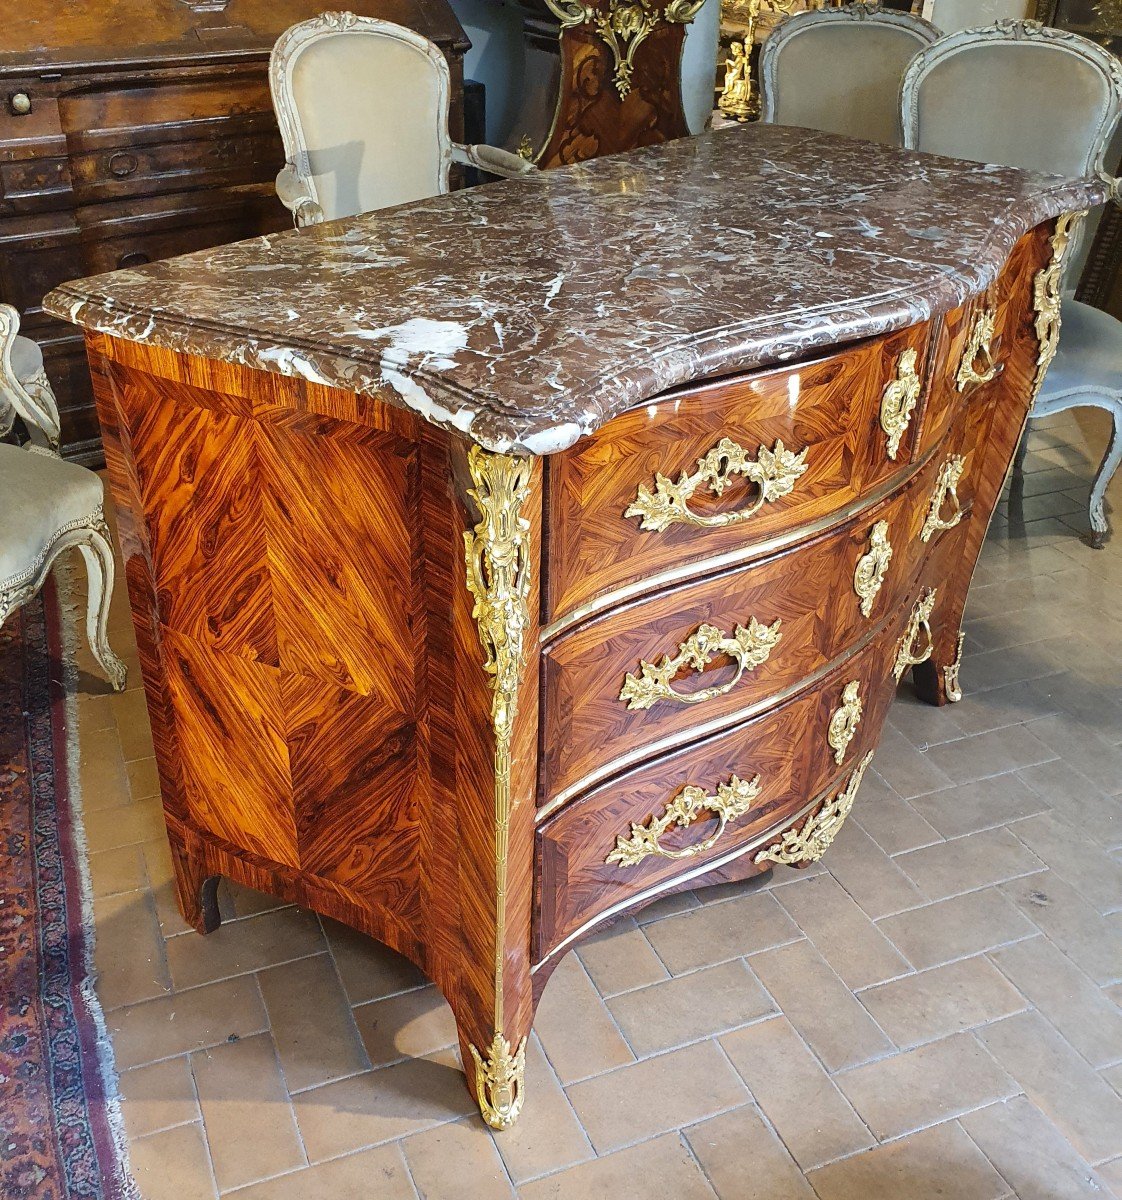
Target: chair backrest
pixel 953 15
pixel 839 70
pixel 1016 93
pixel 362 106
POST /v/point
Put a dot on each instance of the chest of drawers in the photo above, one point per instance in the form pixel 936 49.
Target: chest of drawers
pixel 478 700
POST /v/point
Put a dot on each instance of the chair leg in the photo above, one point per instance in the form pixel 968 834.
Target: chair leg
pixel 1111 461
pixel 98 553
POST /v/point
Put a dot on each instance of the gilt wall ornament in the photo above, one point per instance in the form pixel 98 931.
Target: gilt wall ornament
pixel 749 647
pixel 624 27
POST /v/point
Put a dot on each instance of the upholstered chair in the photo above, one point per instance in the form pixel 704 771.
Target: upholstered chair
pixel 839 70
pixel 362 106
pixel 25 391
pixel 47 506
pixel 1047 100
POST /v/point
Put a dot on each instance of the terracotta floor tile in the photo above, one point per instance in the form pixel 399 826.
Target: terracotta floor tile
pixel 815 1121
pixel 842 932
pixel 942 1001
pixel 869 875
pixel 935 1164
pixel 313 1028
pixel 106 829
pixel 457 1162
pixel 968 863
pixel 1075 857
pixel 823 1010
pixel 656 1095
pixel 576 1029
pixel 621 959
pixel 688 1007
pixel 1059 1082
pixel 893 823
pixel 988 754
pixel 1083 748
pixel 173 1165
pixel 1072 1001
pixel 143 779
pixel 379 1106
pixel 101 771
pixel 666 906
pixel 158 1096
pixel 1071 795
pixel 237 947
pixel 920 1087
pixel 1031 1153
pixel 248 1119
pixel 986 804
pixel 175 1024
pixel 956 928
pixel 369 971
pixel 658 1170
pixel 744 1160
pixel 906 770
pixel 405 1026
pixel 130 711
pixel 378 1174
pixel 129 955
pixel 547 1136
pixel 115 871
pixel 716 932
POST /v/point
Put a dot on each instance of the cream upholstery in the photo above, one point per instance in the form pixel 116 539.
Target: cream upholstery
pixel 363 110
pixel 840 70
pixel 1047 100
pixel 25 391
pixel 48 506
pixel 953 15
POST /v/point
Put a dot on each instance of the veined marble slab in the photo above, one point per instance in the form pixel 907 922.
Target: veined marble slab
pixel 527 313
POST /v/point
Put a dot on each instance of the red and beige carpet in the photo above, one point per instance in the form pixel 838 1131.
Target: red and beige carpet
pixel 59 1124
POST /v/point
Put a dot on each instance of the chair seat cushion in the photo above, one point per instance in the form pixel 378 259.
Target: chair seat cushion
pixel 27 358
pixel 1090 353
pixel 39 495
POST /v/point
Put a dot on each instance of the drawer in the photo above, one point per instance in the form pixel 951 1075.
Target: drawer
pixel 975 343
pixel 620 843
pixel 632 683
pixel 698 476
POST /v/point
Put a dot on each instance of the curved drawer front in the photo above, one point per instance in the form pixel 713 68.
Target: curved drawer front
pixel 692 660
pixel 721 469
pixel 731 794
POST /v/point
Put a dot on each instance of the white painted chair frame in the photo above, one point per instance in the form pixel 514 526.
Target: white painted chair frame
pixel 29 396
pixel 1048 402
pixel 296 186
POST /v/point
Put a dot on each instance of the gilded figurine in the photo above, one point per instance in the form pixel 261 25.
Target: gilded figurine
pixel 736 95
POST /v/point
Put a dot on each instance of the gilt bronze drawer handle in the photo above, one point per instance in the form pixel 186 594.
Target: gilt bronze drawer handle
pixel 920 620
pixel 808 844
pixel 899 402
pixel 774 472
pixel 733 800
pixel 748 648
pixel 872 567
pixel 979 346
pixel 844 722
pixel 946 489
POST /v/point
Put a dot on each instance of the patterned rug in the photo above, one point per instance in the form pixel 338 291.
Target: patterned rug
pixel 59 1121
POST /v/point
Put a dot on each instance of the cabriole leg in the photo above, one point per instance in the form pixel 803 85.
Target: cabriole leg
pixel 98 553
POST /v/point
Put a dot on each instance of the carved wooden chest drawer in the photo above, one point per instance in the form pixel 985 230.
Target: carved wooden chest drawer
pixel 133 130
pixel 478 606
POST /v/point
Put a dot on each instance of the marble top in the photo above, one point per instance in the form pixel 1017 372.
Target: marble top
pixel 527 313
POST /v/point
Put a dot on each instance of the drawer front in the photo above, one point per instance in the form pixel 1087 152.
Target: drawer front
pixel 627 686
pixel 719 470
pixel 976 341
pixel 730 795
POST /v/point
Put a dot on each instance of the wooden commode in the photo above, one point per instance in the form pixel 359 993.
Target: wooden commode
pixel 506 562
